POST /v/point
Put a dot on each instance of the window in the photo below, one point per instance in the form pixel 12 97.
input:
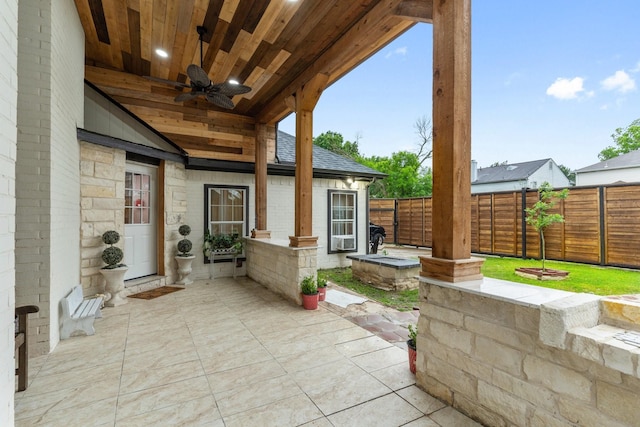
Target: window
pixel 342 221
pixel 226 209
pixel 137 198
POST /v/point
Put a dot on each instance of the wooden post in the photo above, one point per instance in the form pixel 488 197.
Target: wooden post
pixel 451 224
pixel 305 101
pixel 261 183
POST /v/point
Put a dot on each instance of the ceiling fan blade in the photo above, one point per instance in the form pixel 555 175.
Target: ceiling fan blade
pixel 220 100
pixel 187 96
pixel 165 81
pixel 198 76
pixel 230 89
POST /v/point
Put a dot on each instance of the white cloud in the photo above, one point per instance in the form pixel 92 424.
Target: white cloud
pixel 564 88
pixel 620 82
pixel 401 51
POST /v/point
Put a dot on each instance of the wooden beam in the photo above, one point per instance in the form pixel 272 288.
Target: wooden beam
pixel 380 19
pixel 416 10
pixel 451 144
pixel 306 99
pixel 261 181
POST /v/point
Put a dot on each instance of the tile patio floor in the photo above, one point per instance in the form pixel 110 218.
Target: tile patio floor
pixel 229 353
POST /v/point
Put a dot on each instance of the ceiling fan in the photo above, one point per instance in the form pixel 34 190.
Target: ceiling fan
pixel 200 84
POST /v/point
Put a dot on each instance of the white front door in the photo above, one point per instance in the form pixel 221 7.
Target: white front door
pixel 140 221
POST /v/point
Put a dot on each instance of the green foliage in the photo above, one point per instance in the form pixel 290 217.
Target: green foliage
pixel 212 242
pixel 184 247
pixel 494 164
pixel 112 256
pixel 322 282
pixel 571 175
pixel 406 178
pixel 626 140
pixel 184 230
pixel 539 217
pixel 413 334
pixel 111 237
pixel 308 286
pixel 335 143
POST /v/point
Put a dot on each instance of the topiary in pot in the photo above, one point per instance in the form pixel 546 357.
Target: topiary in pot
pixel 184 245
pixel 112 255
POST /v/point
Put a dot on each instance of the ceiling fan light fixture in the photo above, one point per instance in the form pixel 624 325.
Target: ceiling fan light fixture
pixel 162 53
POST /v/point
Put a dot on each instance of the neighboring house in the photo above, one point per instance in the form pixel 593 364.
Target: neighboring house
pixel 622 169
pixel 517 176
pixel 118 150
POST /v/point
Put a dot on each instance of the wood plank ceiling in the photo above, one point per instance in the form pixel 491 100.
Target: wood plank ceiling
pixel 273 46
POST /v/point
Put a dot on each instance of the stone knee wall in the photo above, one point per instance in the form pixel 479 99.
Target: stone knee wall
pixel 279 267
pixel 482 354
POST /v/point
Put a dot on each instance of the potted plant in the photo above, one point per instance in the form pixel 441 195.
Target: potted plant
pixel 220 244
pixel 309 290
pixel 184 258
pixel 411 346
pixel 114 271
pixel 322 288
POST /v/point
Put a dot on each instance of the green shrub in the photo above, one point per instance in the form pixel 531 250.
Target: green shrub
pixel 308 286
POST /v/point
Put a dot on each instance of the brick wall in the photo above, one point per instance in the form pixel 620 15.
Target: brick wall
pixel 67 114
pixel 50 63
pixel 486 355
pixel 8 100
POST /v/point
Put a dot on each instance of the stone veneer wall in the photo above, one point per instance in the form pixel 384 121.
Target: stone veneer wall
pixel 175 211
pixel 102 173
pixel 486 356
pixel 8 98
pixel 280 268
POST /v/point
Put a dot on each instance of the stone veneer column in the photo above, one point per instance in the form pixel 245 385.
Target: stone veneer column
pixel 175 209
pixel 102 172
pixel 8 98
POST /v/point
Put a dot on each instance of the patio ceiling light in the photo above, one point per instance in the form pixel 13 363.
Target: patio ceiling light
pixel 161 53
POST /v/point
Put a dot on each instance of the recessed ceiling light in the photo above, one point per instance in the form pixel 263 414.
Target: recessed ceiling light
pixel 234 82
pixel 162 53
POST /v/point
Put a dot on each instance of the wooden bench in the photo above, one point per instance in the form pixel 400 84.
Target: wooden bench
pixel 78 314
pixel 22 343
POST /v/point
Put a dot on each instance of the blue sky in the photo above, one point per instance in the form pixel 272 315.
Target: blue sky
pixel 549 79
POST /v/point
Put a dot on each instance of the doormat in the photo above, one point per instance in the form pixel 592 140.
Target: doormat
pixel 155 293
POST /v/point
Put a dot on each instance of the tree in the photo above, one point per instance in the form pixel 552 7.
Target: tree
pixel 626 140
pixel 494 164
pixel 571 175
pixel 334 142
pixel 425 133
pixel 405 177
pixel 539 217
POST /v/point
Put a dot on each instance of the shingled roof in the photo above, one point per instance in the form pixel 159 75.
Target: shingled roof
pixel 325 162
pixel 628 160
pixel 512 172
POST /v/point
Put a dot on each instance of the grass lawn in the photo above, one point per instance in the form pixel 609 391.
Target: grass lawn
pixel 582 278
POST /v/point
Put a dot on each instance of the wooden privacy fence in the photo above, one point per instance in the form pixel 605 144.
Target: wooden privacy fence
pixel 602 224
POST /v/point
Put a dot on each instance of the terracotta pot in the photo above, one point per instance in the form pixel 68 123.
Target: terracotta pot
pixel 322 293
pixel 310 302
pixel 412 357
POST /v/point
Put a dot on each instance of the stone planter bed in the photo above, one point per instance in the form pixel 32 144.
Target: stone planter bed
pixel 385 272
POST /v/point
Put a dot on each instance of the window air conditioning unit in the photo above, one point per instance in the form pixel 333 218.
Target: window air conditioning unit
pixel 345 243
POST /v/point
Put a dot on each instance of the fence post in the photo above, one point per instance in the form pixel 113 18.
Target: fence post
pixel 602 225
pixel 524 222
